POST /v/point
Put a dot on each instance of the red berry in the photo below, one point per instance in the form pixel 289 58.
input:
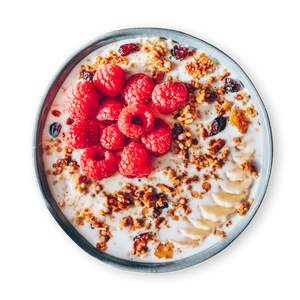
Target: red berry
pixel 82 100
pixel 135 121
pixel 109 79
pixel 169 96
pixel 83 134
pixel 138 89
pixel 159 140
pixel 135 161
pixel 98 163
pixel 109 110
pixel 112 138
pixel 129 48
pixel 180 52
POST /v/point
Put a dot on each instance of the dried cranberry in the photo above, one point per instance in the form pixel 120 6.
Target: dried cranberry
pixel 176 130
pixel 217 125
pixel 127 49
pixel 180 52
pixel 83 179
pixel 56 113
pixel 55 129
pixel 232 85
pixel 86 75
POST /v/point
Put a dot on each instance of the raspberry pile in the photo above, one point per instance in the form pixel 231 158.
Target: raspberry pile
pixel 113 121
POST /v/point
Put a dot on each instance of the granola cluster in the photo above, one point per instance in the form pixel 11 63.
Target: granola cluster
pixel 201 66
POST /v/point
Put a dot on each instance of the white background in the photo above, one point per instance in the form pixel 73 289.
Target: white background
pixel 37 260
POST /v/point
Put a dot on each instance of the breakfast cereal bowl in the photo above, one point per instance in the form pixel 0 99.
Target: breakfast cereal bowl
pixel 189 161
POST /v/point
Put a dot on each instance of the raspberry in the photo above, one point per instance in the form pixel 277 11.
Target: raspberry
pixel 112 138
pixel 83 133
pixel 135 121
pixel 138 89
pixel 97 163
pixel 159 140
pixel 82 100
pixel 109 110
pixel 109 79
pixel 135 161
pixel 169 96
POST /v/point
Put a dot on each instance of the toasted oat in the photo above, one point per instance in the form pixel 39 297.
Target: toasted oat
pixel 249 167
pixel 224 107
pixel 251 111
pixel 157 49
pixel 87 216
pixel 165 188
pixel 201 66
pixel 243 208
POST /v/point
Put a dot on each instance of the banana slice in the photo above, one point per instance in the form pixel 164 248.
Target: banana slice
pixel 187 242
pixel 216 212
pixel 236 187
pixel 194 233
pixel 243 157
pixel 204 224
pixel 227 199
pixel 236 174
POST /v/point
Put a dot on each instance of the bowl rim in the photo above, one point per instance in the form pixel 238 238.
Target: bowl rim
pixel 42 179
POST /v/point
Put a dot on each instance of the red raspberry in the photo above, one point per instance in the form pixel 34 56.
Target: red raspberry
pixel 112 138
pixel 82 100
pixel 135 161
pixel 169 96
pixel 109 79
pixel 135 120
pixel 138 89
pixel 83 133
pixel 98 163
pixel 159 140
pixel 109 110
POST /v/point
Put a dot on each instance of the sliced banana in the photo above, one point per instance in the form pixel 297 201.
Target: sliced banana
pixel 216 212
pixel 236 174
pixel 204 223
pixel 194 233
pixel 228 199
pixel 186 242
pixel 236 187
pixel 243 157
